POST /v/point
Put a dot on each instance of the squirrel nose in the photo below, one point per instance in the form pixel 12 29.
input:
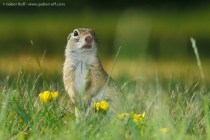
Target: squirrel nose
pixel 88 39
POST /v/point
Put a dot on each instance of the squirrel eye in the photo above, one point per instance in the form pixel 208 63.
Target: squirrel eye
pixel 75 33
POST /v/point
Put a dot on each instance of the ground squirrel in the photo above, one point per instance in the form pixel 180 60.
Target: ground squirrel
pixel 85 79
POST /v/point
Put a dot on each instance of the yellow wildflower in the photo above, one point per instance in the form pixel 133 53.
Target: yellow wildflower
pixel 96 105
pixel 164 130
pixel 54 94
pixel 120 116
pixel 47 95
pixel 138 117
pixel 104 105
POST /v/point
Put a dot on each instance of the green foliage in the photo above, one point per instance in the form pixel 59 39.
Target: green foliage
pixel 139 32
pixel 182 109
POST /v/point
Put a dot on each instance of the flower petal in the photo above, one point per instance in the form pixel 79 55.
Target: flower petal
pixel 41 95
pixel 104 105
pixel 120 116
pixel 96 105
pixel 47 96
pixel 54 94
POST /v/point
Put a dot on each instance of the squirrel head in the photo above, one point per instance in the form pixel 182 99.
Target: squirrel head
pixel 81 41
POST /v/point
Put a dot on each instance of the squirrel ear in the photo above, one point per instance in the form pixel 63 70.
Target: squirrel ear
pixel 69 37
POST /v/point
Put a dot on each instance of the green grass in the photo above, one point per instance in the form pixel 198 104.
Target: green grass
pixel 182 108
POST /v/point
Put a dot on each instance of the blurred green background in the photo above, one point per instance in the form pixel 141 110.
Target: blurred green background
pixel 150 33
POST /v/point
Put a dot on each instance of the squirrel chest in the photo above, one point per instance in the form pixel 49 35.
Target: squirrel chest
pixel 82 77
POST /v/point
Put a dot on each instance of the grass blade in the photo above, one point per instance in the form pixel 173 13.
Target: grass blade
pixel 198 60
pixel 39 64
pixel 111 70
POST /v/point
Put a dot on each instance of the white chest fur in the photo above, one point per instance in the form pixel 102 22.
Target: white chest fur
pixel 80 80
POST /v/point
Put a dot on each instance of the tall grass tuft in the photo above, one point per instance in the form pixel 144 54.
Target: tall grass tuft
pixel 198 60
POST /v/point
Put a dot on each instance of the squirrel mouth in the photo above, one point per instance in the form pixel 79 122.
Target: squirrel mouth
pixel 86 46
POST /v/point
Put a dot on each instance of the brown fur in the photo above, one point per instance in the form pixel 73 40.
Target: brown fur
pixel 95 82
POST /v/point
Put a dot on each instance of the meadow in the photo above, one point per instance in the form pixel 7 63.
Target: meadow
pixel 169 97
pixel 172 95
